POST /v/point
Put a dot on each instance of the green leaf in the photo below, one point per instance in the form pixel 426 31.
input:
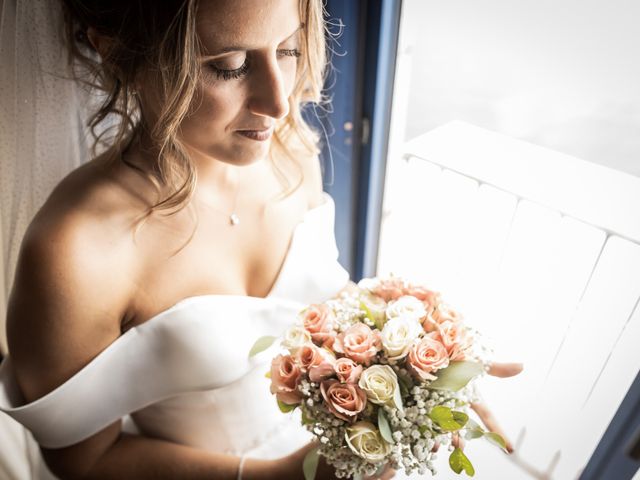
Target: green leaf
pixel 461 418
pixel 443 417
pixel 471 423
pixel 310 464
pixel 496 440
pixel 268 374
pixel 458 462
pixel 474 430
pixel 404 385
pixel 384 427
pixel 261 344
pixel 377 313
pixel 473 433
pixel 285 407
pixel 397 399
pixel 456 375
pixel 422 429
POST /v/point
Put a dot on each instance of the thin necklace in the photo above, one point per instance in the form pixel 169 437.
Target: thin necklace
pixel 233 217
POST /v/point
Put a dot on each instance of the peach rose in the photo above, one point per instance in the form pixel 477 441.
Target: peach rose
pixel 389 288
pixel 429 298
pixel 359 343
pixel 318 362
pixel 285 377
pixel 443 313
pixel 347 370
pixel 454 338
pixel 426 357
pixel 344 400
pixel 318 320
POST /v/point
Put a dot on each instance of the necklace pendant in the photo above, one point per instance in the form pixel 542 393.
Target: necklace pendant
pixel 234 219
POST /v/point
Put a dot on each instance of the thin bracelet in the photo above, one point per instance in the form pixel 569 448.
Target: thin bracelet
pixel 241 466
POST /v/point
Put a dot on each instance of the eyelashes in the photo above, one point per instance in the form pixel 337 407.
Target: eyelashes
pixel 223 74
pixel 231 74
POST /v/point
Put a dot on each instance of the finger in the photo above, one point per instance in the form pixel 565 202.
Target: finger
pixel 490 422
pixel 458 442
pixel 388 474
pixel 505 370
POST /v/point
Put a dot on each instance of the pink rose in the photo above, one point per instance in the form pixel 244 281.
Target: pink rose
pixel 318 321
pixel 454 338
pixel 426 357
pixel 389 289
pixel 347 370
pixel 446 313
pixel 285 377
pixel 359 343
pixel 442 313
pixel 344 400
pixel 429 298
pixel 317 361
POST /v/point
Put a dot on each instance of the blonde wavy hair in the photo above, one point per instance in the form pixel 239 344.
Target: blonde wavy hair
pixel 172 48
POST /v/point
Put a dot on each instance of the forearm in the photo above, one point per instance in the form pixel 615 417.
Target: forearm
pixel 139 457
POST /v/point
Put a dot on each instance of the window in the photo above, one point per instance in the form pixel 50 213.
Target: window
pixel 517 195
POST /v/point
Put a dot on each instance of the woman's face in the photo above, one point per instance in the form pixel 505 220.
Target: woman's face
pixel 250 50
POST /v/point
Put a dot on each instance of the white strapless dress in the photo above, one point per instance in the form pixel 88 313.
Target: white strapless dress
pixel 185 374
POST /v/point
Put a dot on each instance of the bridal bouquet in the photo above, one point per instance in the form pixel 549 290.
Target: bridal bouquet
pixel 382 375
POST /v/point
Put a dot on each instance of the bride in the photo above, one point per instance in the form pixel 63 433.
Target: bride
pixel 150 270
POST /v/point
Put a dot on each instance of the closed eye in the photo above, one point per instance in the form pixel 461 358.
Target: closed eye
pixel 223 74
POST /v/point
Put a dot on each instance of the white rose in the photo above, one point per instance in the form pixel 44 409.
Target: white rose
pixel 406 306
pixel 380 383
pixel 398 335
pixel 295 337
pixel 365 440
pixel 368 283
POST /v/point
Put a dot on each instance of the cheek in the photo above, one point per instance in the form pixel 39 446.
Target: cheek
pixel 212 111
pixel 289 73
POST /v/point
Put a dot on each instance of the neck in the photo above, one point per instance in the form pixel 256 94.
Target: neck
pixel 217 181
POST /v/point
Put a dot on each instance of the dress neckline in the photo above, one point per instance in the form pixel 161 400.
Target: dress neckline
pixel 328 202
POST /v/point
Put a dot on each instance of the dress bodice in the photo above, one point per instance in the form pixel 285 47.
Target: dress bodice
pixel 185 374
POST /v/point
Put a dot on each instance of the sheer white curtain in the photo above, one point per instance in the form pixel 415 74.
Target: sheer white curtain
pixel 42 138
pixel 41 121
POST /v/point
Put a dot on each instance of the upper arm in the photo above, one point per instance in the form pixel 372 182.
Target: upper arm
pixel 65 308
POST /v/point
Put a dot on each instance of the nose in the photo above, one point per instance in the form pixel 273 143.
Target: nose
pixel 269 96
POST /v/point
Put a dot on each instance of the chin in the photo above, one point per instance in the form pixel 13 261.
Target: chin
pixel 242 159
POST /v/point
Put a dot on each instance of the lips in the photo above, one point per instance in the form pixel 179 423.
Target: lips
pixel 257 134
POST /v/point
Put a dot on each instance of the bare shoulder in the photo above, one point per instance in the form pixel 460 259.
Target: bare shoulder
pixel 70 290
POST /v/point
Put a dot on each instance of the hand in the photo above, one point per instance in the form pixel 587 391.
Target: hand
pixel 501 370
pixel 290 467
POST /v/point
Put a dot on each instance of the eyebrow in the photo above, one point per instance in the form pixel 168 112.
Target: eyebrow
pixel 235 48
